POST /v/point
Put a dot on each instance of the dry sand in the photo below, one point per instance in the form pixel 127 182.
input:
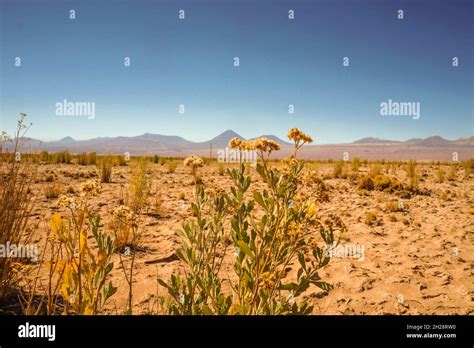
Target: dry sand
pixel 422 263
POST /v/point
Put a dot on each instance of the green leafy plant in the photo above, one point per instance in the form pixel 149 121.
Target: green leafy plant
pixel 83 270
pixel 269 231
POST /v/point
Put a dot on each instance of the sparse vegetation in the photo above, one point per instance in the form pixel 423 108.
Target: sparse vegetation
pixel 171 166
pixel 106 165
pixel 264 246
pixel 16 204
pixel 412 175
pixel 83 272
pixel 372 219
pixel 52 191
pixel 140 186
pixel 253 240
pixel 440 175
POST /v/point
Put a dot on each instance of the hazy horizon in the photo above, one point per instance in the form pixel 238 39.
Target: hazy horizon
pixel 284 138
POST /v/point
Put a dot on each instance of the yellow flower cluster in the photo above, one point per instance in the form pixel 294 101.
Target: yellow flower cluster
pixel 215 192
pixel 266 281
pixel 241 144
pixel 90 188
pixel 296 135
pixel 236 143
pixel 266 145
pixel 263 144
pixel 193 161
pixel 124 213
pixel 294 229
pixel 66 201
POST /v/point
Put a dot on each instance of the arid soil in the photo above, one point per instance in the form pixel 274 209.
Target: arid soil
pixel 416 261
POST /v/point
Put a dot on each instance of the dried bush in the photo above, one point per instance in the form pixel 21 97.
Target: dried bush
pixel 171 166
pixel 106 165
pixel 16 178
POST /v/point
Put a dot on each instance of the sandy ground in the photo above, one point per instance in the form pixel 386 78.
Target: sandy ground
pixel 419 261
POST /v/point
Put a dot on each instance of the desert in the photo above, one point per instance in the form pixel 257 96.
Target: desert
pixel 404 230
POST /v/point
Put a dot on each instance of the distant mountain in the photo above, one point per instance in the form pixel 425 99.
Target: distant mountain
pixel 434 147
pixel 170 140
pixel 465 141
pixel 435 140
pixel 413 140
pixel 372 140
pixel 221 140
pixel 66 140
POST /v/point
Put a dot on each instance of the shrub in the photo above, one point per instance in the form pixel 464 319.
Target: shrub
pixel 158 204
pixel 372 219
pixel 366 183
pixel 52 191
pixel 124 225
pixel 380 182
pixel 121 160
pixel 140 186
pixel 440 175
pixel 468 167
pixel 83 159
pixel 394 206
pixel 410 170
pixel 338 169
pixel 106 165
pixel 452 175
pixel 44 157
pixel 171 166
pixel 62 157
pixel 92 158
pixel 375 170
pixel 355 164
pixel 83 272
pixel 264 244
pixel 16 204
pixel 194 163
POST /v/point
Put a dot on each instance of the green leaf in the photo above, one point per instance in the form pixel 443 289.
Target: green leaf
pixel 245 248
pixel 289 286
pixel 162 283
pixel 304 284
pixel 324 286
pixel 259 199
pixel 206 310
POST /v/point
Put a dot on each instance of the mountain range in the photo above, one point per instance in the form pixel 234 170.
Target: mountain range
pixel 172 145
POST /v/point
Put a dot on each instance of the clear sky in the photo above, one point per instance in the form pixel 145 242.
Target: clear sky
pixel 282 62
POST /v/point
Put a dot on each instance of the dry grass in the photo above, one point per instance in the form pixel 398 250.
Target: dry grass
pixel 106 165
pixel 16 202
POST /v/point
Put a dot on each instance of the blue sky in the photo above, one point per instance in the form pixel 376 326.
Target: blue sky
pixel 282 62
